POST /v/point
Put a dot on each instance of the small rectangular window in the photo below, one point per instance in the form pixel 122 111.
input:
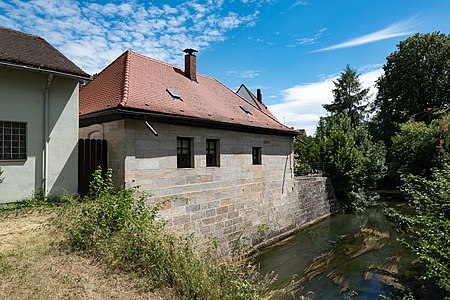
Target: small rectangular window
pixel 13 140
pixel 184 153
pixel 212 153
pixel 256 154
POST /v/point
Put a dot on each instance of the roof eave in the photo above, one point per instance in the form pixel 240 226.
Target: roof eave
pixel 118 113
pixel 42 70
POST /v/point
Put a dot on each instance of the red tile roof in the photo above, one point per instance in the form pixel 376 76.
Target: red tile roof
pixel 23 49
pixel 137 82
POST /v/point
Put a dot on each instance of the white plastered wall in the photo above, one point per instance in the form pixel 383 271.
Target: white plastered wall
pixel 22 100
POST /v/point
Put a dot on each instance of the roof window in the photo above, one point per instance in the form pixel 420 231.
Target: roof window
pixel 245 109
pixel 173 93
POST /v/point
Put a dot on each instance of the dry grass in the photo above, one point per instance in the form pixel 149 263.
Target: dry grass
pixel 32 265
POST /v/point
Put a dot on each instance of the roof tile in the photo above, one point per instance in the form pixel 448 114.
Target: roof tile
pixel 135 81
pixel 33 51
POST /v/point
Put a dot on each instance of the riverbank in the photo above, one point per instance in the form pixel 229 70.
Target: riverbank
pixel 33 265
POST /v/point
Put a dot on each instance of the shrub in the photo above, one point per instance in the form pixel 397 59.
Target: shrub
pixel 128 234
pixel 352 160
pixel 428 228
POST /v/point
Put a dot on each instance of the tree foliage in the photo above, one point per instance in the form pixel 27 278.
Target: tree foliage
pixel 349 96
pixel 415 149
pixel 352 160
pixel 305 148
pixel 430 224
pixel 415 83
pixel 418 148
pixel 344 144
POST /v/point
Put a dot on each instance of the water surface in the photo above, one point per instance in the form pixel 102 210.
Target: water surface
pixel 346 255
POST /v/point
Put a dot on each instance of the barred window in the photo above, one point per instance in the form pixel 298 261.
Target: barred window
pixel 212 153
pixel 256 155
pixel 185 158
pixel 13 140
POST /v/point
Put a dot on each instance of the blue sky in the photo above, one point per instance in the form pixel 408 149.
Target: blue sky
pixel 291 49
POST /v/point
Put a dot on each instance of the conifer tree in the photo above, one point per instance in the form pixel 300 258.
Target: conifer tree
pixel 349 97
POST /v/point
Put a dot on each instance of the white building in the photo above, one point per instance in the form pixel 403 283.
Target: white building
pixel 38 117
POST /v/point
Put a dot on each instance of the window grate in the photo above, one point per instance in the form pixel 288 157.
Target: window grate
pixel 212 153
pixel 184 153
pixel 13 140
pixel 256 155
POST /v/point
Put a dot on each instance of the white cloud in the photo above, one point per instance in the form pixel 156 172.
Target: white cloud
pixel 92 33
pixel 397 29
pixel 301 106
pixel 245 74
pixel 299 2
pixel 311 39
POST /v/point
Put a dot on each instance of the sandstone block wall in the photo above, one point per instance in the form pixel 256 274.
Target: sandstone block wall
pixel 235 201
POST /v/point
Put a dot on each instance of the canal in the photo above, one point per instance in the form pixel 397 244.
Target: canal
pixel 342 257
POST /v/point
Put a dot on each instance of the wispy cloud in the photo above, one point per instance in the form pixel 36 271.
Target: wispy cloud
pixel 308 40
pixel 301 106
pixel 245 74
pixel 397 29
pixel 299 2
pixel 93 33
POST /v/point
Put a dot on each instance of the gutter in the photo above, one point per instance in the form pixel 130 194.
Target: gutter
pixel 117 114
pixel 29 68
pixel 46 132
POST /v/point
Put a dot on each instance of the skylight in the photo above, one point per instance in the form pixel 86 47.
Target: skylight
pixel 173 93
pixel 245 109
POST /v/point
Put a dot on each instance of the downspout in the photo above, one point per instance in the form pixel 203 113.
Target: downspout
pixel 46 133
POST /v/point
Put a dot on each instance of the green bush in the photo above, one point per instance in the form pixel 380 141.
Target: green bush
pixel 128 234
pixel 352 160
pixel 428 228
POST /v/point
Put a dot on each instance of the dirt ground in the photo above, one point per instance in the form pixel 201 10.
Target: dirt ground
pixel 33 265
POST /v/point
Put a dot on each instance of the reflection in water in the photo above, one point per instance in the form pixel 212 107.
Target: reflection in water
pixel 343 256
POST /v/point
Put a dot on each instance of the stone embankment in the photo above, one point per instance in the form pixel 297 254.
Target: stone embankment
pixel 257 222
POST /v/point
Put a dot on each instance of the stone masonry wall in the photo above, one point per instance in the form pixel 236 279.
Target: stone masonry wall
pixel 225 203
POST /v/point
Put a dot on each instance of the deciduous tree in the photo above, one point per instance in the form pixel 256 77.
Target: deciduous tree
pixel 416 82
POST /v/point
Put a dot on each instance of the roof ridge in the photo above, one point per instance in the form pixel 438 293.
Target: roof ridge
pixel 23 33
pixel 62 63
pixel 164 63
pixel 126 79
pixel 151 58
pixel 104 69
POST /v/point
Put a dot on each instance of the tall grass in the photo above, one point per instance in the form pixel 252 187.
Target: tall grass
pixel 126 233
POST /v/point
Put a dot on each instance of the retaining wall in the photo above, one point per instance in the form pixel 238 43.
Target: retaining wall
pixel 235 221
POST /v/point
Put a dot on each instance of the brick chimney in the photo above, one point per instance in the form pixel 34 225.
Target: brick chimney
pixel 190 64
pixel 259 95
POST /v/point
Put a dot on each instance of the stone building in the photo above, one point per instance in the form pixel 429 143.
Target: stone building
pixel 38 117
pixel 223 158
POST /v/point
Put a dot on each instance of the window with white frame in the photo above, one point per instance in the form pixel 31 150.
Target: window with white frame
pixel 13 140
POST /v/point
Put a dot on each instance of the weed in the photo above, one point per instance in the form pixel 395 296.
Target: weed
pixel 129 235
pixel 38 200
